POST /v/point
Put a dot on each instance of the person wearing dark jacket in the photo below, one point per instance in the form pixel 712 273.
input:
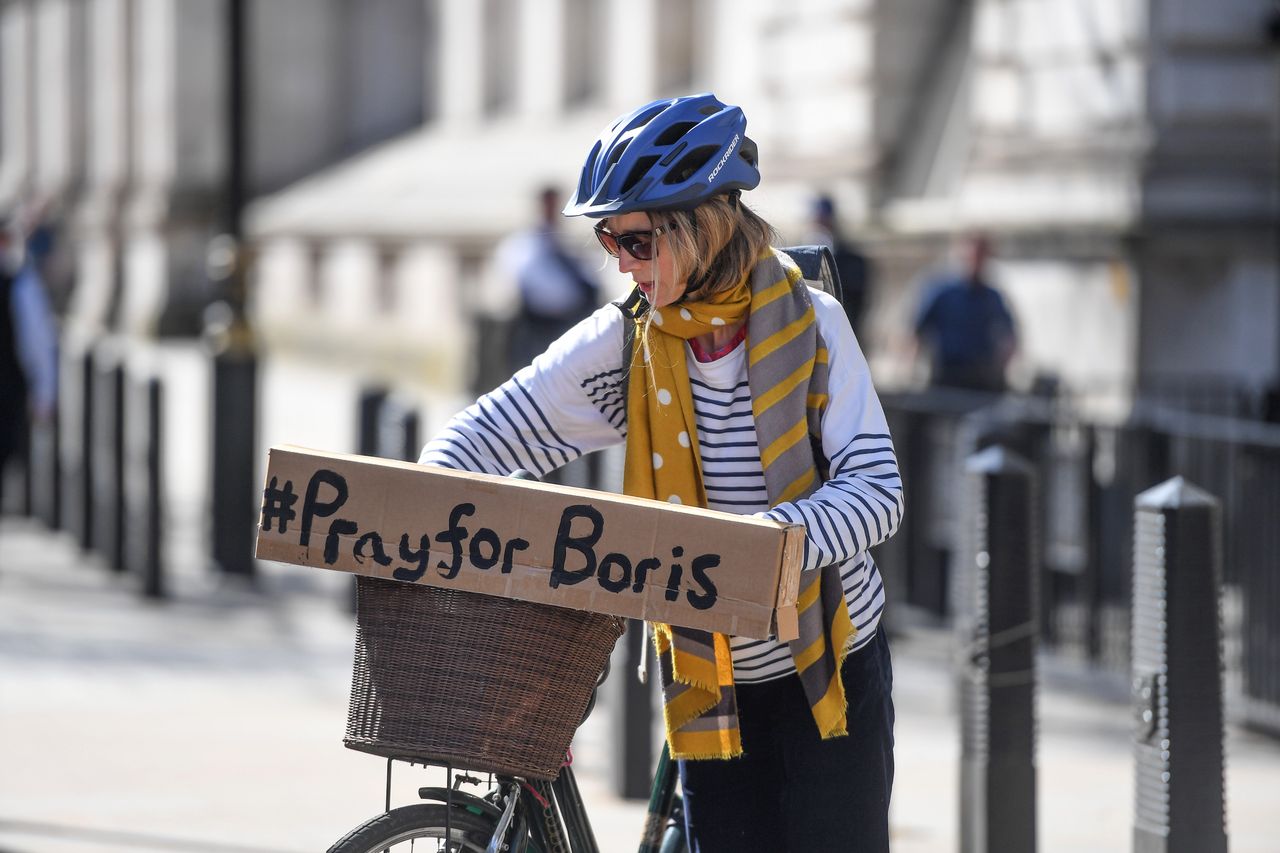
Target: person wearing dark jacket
pixel 556 290
pixel 28 362
pixel 851 264
pixel 966 326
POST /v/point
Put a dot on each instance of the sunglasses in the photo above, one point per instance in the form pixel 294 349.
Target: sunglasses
pixel 637 244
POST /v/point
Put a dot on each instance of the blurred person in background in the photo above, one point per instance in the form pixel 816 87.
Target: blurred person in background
pixel 851 265
pixel 713 373
pixel 28 345
pixel 556 290
pixel 965 325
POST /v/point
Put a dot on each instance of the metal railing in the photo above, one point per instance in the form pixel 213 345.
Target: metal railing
pixel 1089 474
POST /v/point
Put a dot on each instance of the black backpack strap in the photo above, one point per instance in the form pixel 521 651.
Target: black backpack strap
pixel 632 308
pixel 818 266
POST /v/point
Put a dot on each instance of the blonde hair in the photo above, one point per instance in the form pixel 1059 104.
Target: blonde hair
pixel 715 244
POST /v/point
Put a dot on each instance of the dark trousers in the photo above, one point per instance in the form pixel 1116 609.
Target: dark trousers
pixel 792 790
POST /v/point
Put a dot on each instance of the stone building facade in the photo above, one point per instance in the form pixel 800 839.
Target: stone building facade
pixel 1123 153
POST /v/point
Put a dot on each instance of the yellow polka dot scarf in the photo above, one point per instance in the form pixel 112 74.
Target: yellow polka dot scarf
pixel 787 374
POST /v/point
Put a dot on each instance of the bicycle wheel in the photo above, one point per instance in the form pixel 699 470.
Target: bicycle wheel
pixel 421 828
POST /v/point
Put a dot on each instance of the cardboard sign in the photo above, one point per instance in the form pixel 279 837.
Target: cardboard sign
pixel 533 541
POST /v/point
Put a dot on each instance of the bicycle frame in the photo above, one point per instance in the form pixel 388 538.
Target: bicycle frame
pixel 662 805
pixel 552 814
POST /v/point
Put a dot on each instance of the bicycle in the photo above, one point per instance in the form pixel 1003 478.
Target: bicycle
pixel 512 814
pixel 415 699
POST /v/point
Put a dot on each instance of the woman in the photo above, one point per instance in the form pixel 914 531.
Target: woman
pixel 727 401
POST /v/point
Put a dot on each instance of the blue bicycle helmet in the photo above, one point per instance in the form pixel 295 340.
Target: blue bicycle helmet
pixel 671 154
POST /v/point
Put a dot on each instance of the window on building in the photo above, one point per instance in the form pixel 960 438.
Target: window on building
pixel 329 79
pixel 431 47
pixel 499 55
pixel 677 22
pixel 385 74
pixel 583 40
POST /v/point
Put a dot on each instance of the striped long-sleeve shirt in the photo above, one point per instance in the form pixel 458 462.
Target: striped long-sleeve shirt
pixel 569 402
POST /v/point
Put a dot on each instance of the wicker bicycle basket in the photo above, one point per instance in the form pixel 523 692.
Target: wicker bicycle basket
pixel 484 682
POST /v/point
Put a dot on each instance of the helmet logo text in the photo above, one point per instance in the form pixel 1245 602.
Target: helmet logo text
pixel 724 159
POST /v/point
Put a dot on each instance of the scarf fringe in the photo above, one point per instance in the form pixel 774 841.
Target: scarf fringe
pixel 841 726
pixel 704 756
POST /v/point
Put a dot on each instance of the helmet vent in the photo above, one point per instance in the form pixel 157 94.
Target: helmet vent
pixel 646 116
pixel 673 134
pixel 670 156
pixel 709 110
pixel 690 163
pixel 584 184
pixel 616 154
pixel 637 172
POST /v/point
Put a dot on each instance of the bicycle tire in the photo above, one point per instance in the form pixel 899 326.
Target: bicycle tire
pixel 469 832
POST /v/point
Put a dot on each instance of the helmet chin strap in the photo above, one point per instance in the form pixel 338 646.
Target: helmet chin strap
pixel 635 305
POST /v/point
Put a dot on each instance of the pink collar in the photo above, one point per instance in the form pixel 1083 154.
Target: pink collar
pixel 703 356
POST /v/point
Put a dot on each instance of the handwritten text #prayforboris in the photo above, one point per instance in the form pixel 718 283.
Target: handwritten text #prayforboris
pixel 574 557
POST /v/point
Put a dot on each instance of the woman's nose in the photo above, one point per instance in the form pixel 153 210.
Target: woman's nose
pixel 627 263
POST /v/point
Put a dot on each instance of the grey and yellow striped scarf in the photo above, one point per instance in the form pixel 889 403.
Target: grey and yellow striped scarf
pixel 787 374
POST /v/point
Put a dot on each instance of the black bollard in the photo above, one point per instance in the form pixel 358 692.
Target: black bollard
pixel 1177 671
pixel 81 494
pixel 934 463
pixel 234 507
pixel 368 412
pixel 144 535
pixel 998 627
pixel 630 704
pixel 108 459
pixel 397 436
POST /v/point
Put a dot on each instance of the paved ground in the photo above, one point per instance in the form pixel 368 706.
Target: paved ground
pixel 212 723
